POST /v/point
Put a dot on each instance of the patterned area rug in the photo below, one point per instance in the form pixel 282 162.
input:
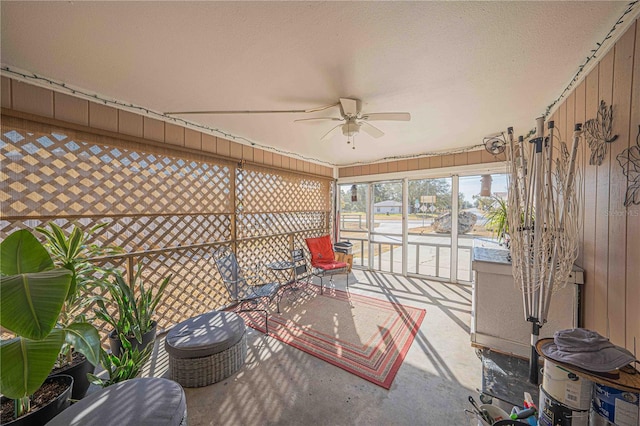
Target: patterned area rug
pixel 362 335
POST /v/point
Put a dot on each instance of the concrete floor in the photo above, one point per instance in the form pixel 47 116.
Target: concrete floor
pixel 280 385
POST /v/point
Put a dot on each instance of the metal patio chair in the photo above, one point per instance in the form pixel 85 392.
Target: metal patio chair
pixel 246 290
pixel 323 260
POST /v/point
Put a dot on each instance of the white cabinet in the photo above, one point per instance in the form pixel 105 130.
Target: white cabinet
pixel 497 320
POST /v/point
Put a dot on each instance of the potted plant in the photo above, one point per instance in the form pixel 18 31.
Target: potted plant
pixel 497 219
pixel 33 294
pixel 73 252
pixel 132 316
pixel 123 367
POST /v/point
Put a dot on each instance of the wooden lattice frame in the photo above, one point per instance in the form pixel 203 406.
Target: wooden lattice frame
pixel 168 209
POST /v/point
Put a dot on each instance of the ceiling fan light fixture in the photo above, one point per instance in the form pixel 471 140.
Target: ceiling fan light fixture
pixel 350 128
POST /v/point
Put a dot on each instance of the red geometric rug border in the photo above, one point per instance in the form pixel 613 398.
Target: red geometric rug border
pixel 369 363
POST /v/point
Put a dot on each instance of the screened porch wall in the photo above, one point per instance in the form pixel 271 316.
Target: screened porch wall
pixel 168 207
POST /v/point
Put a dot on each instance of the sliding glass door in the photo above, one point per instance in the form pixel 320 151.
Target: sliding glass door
pixel 354 220
pixel 386 231
pixel 429 227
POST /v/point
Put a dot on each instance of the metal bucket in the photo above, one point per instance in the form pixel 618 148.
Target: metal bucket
pixel 553 413
pixel 612 406
pixel 566 387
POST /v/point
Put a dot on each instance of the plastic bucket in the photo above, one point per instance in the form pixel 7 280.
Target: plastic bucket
pixel 553 413
pixel 495 412
pixel 566 387
pixel 612 406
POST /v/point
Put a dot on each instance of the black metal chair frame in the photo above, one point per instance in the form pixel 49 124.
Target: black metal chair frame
pixel 238 284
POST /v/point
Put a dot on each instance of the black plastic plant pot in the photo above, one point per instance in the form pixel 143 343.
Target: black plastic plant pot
pixel 79 373
pixel 52 409
pixel 148 338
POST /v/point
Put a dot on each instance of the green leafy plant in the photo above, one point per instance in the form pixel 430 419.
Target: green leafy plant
pixel 73 252
pixel 135 303
pixel 126 366
pixel 33 294
pixel 497 218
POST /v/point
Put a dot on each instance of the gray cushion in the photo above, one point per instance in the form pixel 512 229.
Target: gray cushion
pixel 146 401
pixel 205 335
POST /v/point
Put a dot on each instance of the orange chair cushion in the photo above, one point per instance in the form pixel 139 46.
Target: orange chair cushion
pixel 322 255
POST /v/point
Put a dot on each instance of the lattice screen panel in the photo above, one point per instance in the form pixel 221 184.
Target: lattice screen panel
pixel 255 252
pixel 264 224
pixel 140 233
pixel 177 206
pixel 196 286
pixel 263 190
pixel 51 174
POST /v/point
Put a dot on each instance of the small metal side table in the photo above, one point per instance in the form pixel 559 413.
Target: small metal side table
pixel 283 270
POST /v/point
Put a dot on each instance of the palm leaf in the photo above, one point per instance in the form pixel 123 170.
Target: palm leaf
pixel 27 363
pixel 31 303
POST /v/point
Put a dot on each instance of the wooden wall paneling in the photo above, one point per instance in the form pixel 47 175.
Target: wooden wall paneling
pixel 561 124
pixel 32 99
pixel 5 92
pixel 590 180
pixel 357 170
pixel 436 161
pixel 580 166
pixel 235 150
pixel 403 165
pixel 299 165
pixel 130 123
pixel 192 139
pixel 258 155
pixel 174 134
pixel 383 167
pixel 70 109
pixel 346 172
pixel 605 92
pixel 247 153
pixel 223 147
pixel 447 160
pixel 268 158
pixel 366 169
pixel 280 161
pixel 621 101
pixel 633 217
pixel 423 163
pixel 392 166
pixel 209 143
pixel 412 164
pixel 474 157
pixel 103 117
pixel 153 129
pixel 487 157
pixel 306 166
pixel 374 169
pixel 461 159
pixel 312 168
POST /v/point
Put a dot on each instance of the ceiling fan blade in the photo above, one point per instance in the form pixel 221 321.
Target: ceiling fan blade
pixel 268 111
pixel 349 107
pixel 390 116
pixel 327 134
pixel 371 130
pixel 319 118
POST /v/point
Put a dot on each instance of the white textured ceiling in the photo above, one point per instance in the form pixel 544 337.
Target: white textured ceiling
pixel 462 69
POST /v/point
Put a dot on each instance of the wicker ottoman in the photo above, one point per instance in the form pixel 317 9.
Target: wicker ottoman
pixel 149 401
pixel 206 349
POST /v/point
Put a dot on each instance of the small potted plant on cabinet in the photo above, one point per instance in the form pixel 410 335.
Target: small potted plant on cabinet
pixel 33 294
pixel 132 316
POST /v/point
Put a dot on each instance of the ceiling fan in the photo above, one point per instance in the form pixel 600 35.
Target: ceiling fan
pixel 353 119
